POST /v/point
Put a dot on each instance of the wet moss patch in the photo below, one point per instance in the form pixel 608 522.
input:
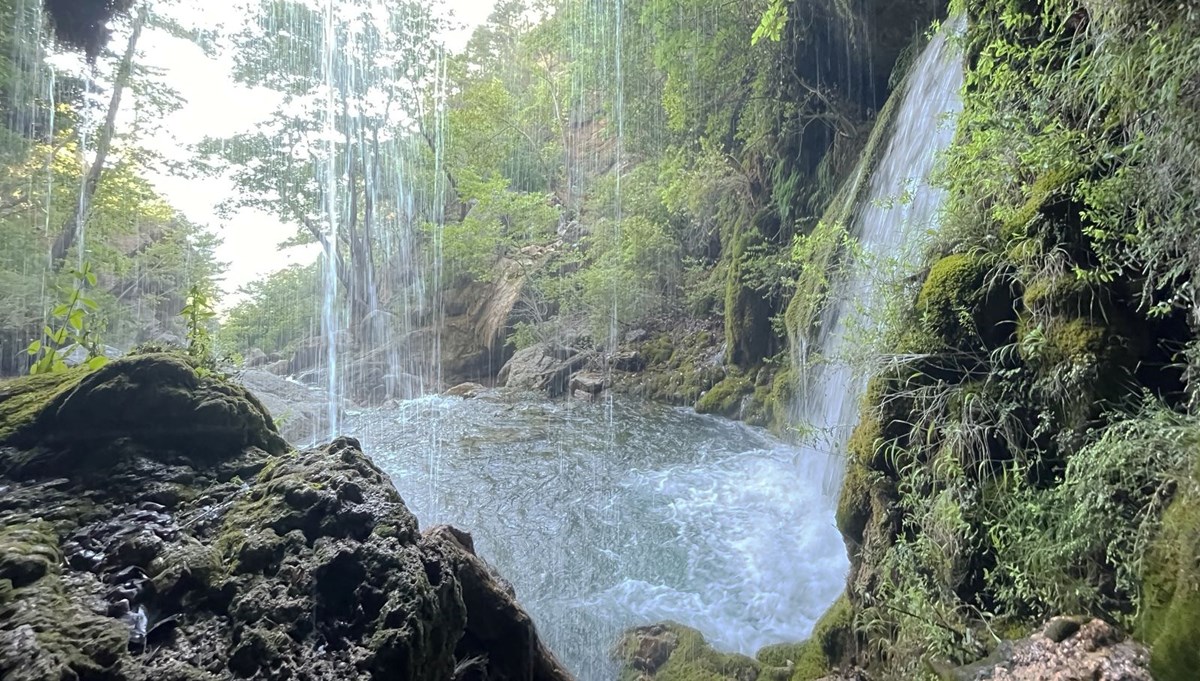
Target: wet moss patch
pixel 157 402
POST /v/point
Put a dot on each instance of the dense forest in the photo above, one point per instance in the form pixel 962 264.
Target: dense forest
pixel 665 193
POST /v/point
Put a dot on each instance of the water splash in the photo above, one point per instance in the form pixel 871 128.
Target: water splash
pixel 665 514
pixel 896 206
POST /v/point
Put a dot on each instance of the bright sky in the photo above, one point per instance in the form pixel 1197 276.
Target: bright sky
pixel 216 106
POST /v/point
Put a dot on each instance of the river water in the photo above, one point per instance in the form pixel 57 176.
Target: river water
pixel 607 516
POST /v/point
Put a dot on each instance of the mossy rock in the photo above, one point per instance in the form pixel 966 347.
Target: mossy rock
pixel 673 652
pixel 158 402
pixel 658 350
pixel 770 405
pixel 1170 620
pixel 854 502
pixel 44 634
pixel 748 331
pixel 22 399
pixel 958 307
pixel 1066 295
pixel 725 398
pixel 830 646
pixel 1049 186
pixel 28 552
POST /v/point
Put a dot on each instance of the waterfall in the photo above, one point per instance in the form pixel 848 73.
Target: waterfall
pixel 894 204
pixel 329 317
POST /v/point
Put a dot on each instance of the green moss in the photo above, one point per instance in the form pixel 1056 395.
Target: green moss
pixel 854 502
pixel 1047 185
pixel 691 659
pixel 866 442
pixel 22 399
pixel 747 314
pixel 157 401
pixel 951 298
pixel 28 552
pixel 658 350
pixel 1062 295
pixel 1075 340
pixel 60 639
pixel 1170 620
pixel 779 400
pixel 725 398
pixel 827 649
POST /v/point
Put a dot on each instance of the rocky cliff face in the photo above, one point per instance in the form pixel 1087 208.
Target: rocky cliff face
pixel 153 525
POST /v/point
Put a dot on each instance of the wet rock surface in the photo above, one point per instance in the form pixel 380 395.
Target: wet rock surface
pixel 174 561
pixel 1066 648
pixel 297 409
pixel 542 367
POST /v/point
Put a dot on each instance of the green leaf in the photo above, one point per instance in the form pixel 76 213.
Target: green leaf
pixel 61 310
pixel 76 320
pixel 91 279
pixel 97 362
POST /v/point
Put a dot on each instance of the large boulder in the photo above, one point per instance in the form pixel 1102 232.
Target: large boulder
pixel 473 340
pixel 301 566
pixel 542 367
pixel 157 402
pixel 498 631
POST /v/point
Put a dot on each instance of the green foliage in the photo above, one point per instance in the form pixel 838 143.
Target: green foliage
pixel 1021 457
pixel 275 313
pixel 72 329
pixel 1056 545
pixel 821 258
pixel 198 314
pixel 774 20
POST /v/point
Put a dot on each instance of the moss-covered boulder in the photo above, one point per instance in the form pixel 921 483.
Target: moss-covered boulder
pixel 157 402
pixel 726 398
pixel 830 647
pixel 960 307
pixel 1170 620
pixel 148 532
pixel 673 652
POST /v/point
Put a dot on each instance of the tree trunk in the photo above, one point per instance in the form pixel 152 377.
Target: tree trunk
pixel 73 225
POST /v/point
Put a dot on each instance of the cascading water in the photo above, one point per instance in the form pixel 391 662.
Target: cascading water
pixel 329 317
pixel 894 208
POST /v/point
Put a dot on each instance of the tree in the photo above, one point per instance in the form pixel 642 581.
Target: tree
pixel 69 233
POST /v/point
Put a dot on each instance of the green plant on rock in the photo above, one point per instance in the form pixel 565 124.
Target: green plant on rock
pixel 197 315
pixel 71 330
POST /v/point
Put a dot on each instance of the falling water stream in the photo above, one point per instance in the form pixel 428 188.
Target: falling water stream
pixel 898 207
